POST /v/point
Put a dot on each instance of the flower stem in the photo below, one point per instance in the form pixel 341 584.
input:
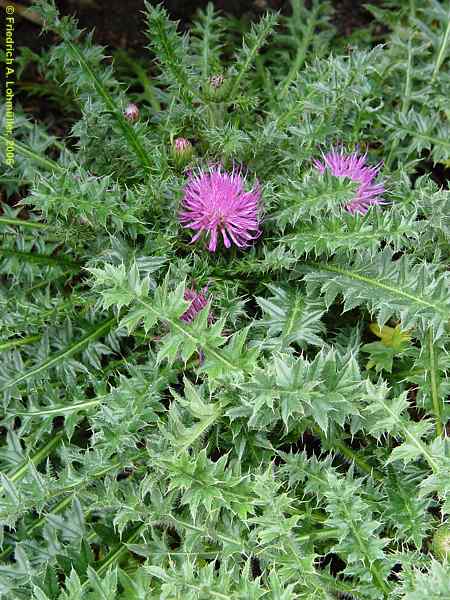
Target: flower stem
pixel 437 406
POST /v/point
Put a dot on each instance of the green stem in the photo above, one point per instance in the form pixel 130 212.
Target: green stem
pixel 415 441
pixel 19 342
pixel 441 53
pixel 373 569
pixel 38 158
pixel 199 429
pixel 346 451
pixel 127 129
pixel 408 84
pixel 301 50
pixel 437 407
pixel 59 410
pixel 157 29
pixel 41 258
pixel 180 328
pixel 116 554
pixel 248 61
pixel 22 223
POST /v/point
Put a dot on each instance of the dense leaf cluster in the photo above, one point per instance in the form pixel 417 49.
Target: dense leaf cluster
pixel 290 442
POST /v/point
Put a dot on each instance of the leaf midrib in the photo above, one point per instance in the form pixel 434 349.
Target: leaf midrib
pixel 376 283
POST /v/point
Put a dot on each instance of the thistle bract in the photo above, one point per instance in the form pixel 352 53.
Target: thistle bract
pixel 215 203
pixel 182 151
pixel 131 112
pixel 354 167
pixel 198 301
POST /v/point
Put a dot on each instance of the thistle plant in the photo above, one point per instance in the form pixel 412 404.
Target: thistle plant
pixel 273 207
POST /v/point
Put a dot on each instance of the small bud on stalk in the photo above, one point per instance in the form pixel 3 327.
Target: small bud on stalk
pixel 216 87
pixel 131 112
pixel 182 151
pixel 216 81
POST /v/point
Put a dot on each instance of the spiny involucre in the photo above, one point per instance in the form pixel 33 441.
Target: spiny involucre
pixel 215 202
pixel 182 151
pixel 354 167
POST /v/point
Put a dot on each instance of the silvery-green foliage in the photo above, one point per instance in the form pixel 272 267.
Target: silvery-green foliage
pixel 275 447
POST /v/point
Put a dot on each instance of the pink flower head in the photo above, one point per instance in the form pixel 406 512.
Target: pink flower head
pixel 215 202
pixel 131 112
pixel 198 302
pixel 354 167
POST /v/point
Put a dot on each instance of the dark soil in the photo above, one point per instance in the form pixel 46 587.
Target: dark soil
pixel 121 24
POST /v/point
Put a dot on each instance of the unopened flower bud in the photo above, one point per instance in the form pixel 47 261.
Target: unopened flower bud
pixel 182 151
pixel 198 301
pixel 216 88
pixel 216 81
pixel 441 542
pixel 131 112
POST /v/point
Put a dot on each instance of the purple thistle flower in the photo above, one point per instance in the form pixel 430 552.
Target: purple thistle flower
pixel 198 302
pixel 215 202
pixel 354 167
